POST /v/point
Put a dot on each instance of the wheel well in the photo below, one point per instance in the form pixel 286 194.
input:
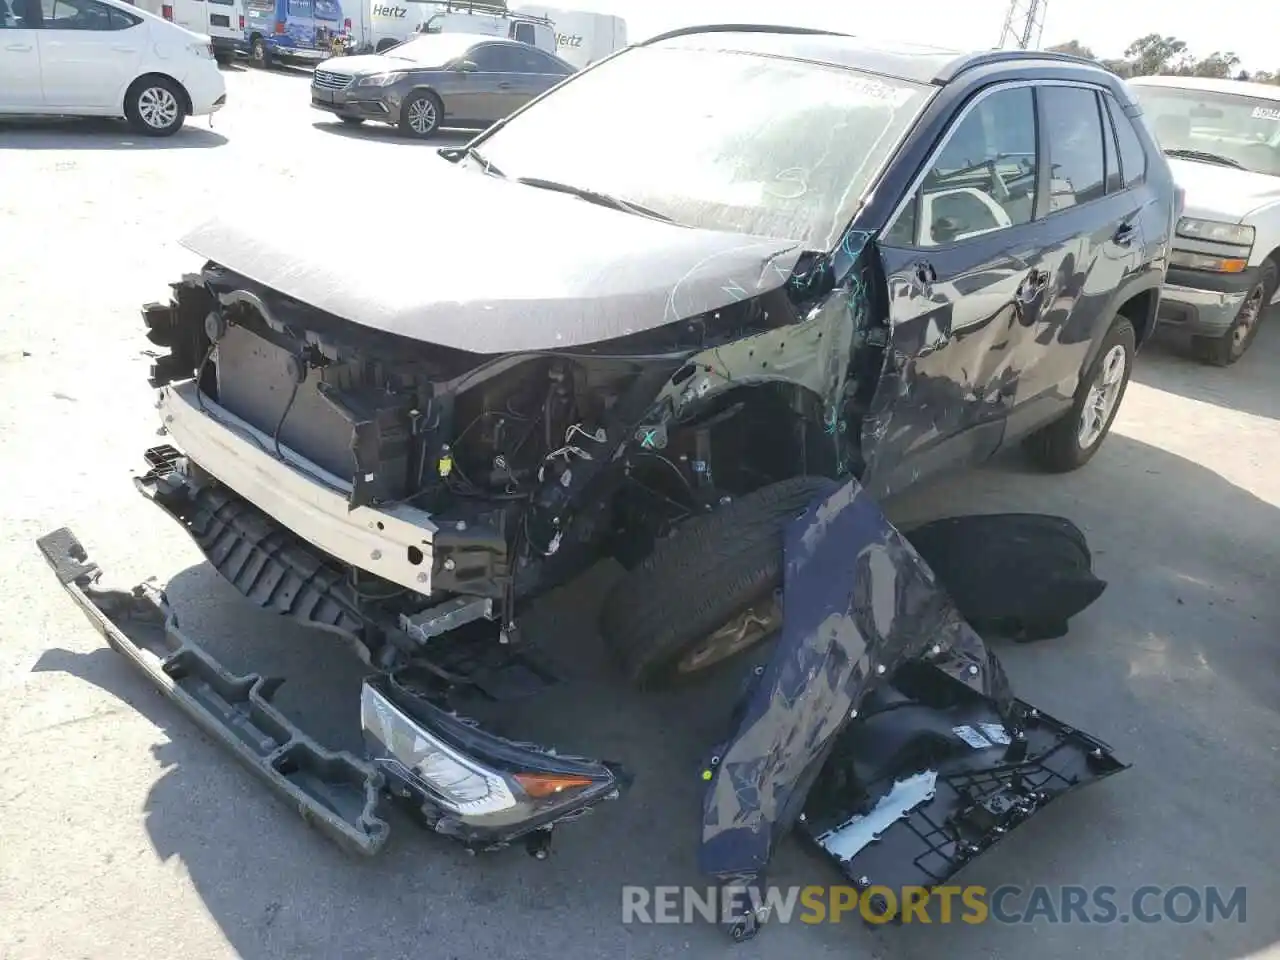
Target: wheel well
pixel 1274 256
pixel 762 434
pixel 185 98
pixel 1140 311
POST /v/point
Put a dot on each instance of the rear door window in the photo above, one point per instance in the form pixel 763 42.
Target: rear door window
pixel 1073 129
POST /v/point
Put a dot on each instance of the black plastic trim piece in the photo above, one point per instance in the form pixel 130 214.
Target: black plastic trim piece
pixel 335 791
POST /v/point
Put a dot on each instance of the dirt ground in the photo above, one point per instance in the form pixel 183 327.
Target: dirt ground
pixel 126 833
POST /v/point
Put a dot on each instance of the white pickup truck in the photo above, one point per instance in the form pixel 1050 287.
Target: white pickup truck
pixel 1222 138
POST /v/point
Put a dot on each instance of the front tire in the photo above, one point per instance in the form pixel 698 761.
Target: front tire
pixel 420 115
pixel 154 107
pixel 1071 441
pixel 708 592
pixel 1225 350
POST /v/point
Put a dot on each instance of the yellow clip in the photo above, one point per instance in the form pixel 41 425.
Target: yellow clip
pixel 706 774
pixel 445 466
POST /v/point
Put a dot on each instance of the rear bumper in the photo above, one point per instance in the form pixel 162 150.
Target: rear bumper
pixel 300 53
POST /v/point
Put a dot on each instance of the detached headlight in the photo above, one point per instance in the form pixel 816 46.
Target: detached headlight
pixel 378 80
pixel 1236 234
pixel 459 784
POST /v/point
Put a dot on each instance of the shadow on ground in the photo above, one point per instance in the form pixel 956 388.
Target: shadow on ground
pixel 100 134
pixel 1177 665
pixel 1247 386
pixel 446 137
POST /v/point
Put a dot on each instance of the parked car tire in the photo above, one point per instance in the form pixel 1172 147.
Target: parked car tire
pixel 260 53
pixel 1231 346
pixel 1071 441
pixel 420 114
pixel 154 106
pixel 710 590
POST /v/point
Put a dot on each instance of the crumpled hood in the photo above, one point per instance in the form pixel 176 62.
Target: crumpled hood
pixel 1222 193
pixel 474 262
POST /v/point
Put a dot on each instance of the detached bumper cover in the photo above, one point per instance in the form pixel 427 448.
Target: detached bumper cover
pixel 336 792
pixel 529 788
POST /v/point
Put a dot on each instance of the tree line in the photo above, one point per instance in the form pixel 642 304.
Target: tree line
pixel 1158 54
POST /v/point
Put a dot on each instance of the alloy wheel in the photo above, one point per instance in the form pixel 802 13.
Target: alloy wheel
pixel 746 629
pixel 422 116
pixel 158 107
pixel 1100 403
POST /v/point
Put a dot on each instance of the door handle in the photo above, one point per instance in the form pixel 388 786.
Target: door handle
pixel 1125 235
pixel 19 47
pixel 504 86
pixel 119 49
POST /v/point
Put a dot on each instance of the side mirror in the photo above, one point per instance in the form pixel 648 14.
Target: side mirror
pixel 466 66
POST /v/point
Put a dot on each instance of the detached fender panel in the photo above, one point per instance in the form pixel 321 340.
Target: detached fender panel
pixel 859 603
pixel 883 717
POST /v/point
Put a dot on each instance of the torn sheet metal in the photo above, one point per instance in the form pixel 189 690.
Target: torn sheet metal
pixel 336 792
pixel 859 603
pixel 572 272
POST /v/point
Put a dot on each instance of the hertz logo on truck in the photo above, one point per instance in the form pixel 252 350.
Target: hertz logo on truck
pixel 381 10
pixel 568 40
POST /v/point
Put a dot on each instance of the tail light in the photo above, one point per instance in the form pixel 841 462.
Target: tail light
pixel 346 24
pixel 166 11
pixel 242 22
pixel 280 27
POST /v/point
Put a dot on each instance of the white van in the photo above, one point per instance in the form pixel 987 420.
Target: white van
pixel 581 37
pixel 221 20
pixel 394 21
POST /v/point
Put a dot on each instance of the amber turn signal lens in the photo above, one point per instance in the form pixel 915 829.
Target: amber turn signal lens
pixel 549 784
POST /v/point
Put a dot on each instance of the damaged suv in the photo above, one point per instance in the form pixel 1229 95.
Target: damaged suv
pixel 692 309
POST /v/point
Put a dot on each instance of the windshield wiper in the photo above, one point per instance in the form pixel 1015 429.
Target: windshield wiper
pixel 1204 156
pixel 592 196
pixel 457 153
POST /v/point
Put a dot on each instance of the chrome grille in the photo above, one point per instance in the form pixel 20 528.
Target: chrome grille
pixel 331 81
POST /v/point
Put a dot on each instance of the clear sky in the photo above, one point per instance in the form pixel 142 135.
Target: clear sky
pixel 1251 29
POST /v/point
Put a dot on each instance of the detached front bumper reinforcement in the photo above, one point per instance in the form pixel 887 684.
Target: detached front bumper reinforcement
pixel 456 778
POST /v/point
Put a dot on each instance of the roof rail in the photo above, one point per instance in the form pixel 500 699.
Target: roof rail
pixel 741 28
pixel 495 8
pixel 988 57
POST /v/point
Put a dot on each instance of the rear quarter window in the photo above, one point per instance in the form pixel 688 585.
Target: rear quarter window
pixel 1133 158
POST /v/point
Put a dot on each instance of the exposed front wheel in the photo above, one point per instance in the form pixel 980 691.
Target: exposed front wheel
pixel 153 107
pixel 1231 346
pixel 1070 442
pixel 708 592
pixel 420 115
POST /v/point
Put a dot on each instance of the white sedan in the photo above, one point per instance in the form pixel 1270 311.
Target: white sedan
pixel 105 58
